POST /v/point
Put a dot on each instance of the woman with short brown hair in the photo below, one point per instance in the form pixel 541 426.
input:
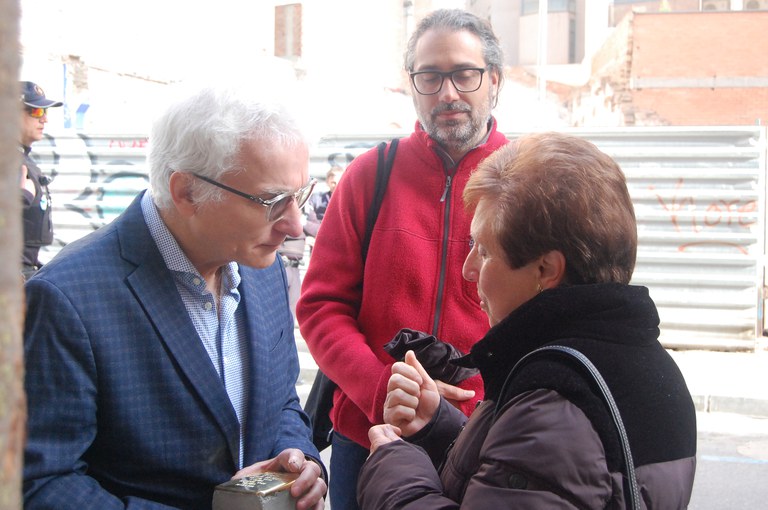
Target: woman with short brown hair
pixel 555 242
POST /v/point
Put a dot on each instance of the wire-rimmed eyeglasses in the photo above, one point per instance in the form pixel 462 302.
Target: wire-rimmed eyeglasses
pixel 464 80
pixel 277 205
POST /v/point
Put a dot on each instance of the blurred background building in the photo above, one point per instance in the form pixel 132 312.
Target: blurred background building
pixel 570 62
pixel 693 73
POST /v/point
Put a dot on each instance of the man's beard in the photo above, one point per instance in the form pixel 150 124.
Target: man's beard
pixel 458 135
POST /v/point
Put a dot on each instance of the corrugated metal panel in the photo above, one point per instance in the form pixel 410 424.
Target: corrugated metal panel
pixel 699 196
pixel 95 178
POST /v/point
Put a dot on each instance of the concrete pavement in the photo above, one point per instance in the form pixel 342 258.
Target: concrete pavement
pixel 720 382
pixel 726 382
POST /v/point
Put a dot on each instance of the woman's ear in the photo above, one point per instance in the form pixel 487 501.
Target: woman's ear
pixel 552 269
pixel 180 187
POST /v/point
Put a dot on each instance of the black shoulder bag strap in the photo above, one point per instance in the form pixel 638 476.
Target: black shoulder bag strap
pixel 383 170
pixel 629 465
pixel 320 398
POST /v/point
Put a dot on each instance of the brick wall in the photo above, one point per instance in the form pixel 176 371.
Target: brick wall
pixel 700 44
pixel 703 107
pixel 698 68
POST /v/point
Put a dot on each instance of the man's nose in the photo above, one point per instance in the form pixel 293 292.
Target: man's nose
pixel 290 223
pixel 448 93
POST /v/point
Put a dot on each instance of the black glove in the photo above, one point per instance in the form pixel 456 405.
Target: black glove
pixel 433 354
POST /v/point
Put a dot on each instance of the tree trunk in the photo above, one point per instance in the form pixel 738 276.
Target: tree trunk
pixel 12 398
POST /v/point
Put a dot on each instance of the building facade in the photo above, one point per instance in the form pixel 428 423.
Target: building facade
pixel 598 62
pixel 639 63
pixel 678 69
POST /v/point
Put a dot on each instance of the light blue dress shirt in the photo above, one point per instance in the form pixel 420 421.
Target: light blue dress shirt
pixel 221 328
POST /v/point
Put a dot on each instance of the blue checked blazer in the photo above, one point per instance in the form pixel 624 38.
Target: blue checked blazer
pixel 125 407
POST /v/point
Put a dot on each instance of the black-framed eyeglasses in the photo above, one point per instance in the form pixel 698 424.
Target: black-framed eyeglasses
pixel 277 205
pixel 464 80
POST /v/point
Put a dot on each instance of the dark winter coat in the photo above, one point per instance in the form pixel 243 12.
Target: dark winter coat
pixel 553 444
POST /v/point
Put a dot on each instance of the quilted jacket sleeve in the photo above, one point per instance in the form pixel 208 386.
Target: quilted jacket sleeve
pixel 541 452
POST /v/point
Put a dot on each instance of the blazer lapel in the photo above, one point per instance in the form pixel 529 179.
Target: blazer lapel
pixel 257 349
pixel 152 284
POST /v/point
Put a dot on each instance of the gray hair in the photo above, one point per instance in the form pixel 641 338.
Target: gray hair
pixel 204 132
pixel 455 20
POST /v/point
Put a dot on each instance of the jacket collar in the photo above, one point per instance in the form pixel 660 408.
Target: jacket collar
pixel 610 312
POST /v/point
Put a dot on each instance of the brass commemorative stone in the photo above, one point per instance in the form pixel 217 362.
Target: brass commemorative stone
pixel 262 491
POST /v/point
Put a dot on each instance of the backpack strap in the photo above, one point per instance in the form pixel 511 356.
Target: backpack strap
pixel 383 170
pixel 629 465
pixel 320 399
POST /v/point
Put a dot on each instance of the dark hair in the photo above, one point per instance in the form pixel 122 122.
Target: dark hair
pixel 559 192
pixel 455 20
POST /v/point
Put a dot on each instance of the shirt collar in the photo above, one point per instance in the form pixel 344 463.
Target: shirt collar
pixel 174 257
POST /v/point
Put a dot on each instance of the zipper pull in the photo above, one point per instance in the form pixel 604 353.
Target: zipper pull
pixel 447 187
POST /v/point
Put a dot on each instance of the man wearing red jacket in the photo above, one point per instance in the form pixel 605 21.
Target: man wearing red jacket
pixel 412 275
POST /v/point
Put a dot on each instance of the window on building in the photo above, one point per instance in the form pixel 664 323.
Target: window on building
pixel 717 5
pixel 532 6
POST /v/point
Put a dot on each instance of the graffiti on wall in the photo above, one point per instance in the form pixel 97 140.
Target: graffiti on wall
pixel 689 214
pixel 114 179
pixel 96 181
pixel 104 198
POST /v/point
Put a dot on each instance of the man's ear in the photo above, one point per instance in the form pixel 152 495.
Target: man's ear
pixel 180 186
pixel 552 269
pixel 495 86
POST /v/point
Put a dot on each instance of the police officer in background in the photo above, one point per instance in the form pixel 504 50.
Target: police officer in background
pixel 36 199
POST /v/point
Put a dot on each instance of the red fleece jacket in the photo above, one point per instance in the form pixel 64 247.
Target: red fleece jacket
pixel 412 276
